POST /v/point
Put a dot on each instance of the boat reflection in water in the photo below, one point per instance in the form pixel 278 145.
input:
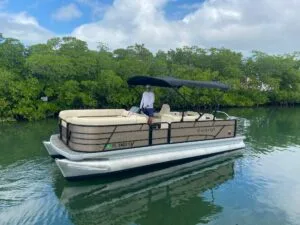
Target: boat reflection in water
pixel 167 196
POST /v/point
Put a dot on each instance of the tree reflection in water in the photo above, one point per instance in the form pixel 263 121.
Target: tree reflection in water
pixel 269 128
pixel 167 196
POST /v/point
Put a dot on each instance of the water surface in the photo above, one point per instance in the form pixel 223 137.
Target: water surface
pixel 260 185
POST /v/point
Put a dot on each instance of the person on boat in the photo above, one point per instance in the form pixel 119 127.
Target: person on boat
pixel 147 103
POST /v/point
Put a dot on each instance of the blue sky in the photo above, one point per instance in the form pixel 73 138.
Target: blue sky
pixel 43 11
pixel 241 25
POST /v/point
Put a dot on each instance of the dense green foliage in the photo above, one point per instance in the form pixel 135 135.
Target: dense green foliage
pixel 72 76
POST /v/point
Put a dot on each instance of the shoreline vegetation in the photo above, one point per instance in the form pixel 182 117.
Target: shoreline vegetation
pixel 38 81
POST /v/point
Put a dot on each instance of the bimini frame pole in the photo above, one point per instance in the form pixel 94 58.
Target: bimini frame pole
pixel 200 114
pixel 184 99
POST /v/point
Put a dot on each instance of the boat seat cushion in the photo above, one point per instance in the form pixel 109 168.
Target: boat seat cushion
pixel 91 113
pixel 133 119
pixel 101 117
pixel 165 109
pixel 122 116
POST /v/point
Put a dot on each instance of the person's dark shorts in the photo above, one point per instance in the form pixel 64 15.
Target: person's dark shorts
pixel 148 111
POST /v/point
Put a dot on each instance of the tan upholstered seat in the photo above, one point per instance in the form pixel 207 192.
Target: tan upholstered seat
pixel 165 109
pixel 108 120
pixel 91 113
pixel 177 117
pixel 101 117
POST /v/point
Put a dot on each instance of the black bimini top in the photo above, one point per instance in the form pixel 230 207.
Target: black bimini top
pixel 174 82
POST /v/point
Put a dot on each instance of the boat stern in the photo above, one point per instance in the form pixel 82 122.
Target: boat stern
pixel 51 151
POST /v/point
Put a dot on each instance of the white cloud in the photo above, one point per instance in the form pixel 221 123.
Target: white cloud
pixel 244 25
pixel 127 22
pixel 23 27
pixel 67 13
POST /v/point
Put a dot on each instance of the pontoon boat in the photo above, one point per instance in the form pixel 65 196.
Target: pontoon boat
pixel 101 141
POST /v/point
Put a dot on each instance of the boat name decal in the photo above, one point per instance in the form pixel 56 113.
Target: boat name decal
pixel 119 145
pixel 125 144
pixel 206 130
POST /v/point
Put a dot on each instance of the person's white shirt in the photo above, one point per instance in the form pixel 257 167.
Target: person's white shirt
pixel 147 100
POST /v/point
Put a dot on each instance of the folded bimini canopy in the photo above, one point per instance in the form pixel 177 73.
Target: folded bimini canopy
pixel 174 82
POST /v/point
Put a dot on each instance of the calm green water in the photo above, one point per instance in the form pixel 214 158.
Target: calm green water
pixel 259 186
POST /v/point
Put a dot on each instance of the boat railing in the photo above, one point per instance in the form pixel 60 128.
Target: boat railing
pixel 95 138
